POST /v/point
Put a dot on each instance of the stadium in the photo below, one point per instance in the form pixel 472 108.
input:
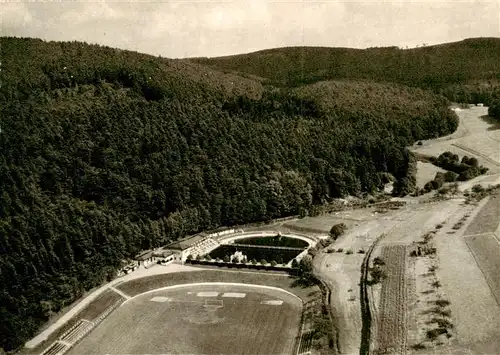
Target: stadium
pixel 198 311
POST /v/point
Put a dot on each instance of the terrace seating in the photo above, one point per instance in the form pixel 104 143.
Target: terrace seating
pixel 75 333
pixel 56 348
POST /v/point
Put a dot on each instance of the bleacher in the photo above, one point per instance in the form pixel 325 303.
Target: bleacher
pixel 56 348
pixel 204 247
pixel 78 331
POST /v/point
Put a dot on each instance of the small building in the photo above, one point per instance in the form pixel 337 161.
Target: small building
pixel 163 256
pixel 195 245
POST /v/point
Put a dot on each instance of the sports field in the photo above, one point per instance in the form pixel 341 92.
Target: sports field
pixel 207 319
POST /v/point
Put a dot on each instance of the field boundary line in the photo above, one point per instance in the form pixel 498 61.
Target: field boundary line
pixel 173 287
pixel 121 293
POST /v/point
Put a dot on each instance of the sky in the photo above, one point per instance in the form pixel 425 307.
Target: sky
pixel 208 28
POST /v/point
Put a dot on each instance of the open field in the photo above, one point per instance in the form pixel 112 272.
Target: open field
pixel 250 321
pixel 477 135
pixel 486 251
pixel 474 310
pixel 488 218
pixel 280 280
pixel 426 172
pixel 393 325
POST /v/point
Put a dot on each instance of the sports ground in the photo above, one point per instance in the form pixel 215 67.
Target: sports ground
pixel 203 319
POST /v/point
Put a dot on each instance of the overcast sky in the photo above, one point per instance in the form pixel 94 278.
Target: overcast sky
pixel 182 28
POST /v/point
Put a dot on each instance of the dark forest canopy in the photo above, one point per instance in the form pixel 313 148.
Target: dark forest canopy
pixel 106 152
pixel 465 71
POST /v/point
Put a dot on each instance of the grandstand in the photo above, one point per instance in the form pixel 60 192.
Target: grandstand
pixel 81 328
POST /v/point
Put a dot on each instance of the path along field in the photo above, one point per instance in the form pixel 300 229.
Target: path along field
pixel 393 325
pixel 237 320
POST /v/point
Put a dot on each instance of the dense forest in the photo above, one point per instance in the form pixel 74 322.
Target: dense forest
pixel 105 152
pixel 465 71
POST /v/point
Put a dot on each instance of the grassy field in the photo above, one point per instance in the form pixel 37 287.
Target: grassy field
pixel 474 310
pixel 477 135
pixel 93 310
pixel 183 325
pixel 486 251
pixel 487 220
pixel 283 281
pixel 426 172
pixel 393 327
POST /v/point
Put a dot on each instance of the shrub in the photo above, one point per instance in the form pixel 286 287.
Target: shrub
pixel 295 263
pixel 434 333
pixel 340 250
pixel 263 262
pixel 477 188
pixel 348 251
pixel 337 230
pixel 450 176
pixel 273 263
pixel 378 261
pixel 442 303
pixel 361 251
pixel 439 226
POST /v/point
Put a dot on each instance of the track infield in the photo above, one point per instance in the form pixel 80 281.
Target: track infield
pixel 204 319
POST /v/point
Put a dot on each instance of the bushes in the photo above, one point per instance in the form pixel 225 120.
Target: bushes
pixel 337 230
pixel 468 168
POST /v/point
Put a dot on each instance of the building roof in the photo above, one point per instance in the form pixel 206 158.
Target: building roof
pixel 163 253
pixel 146 254
pixel 186 243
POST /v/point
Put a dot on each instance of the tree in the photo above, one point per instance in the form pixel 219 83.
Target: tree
pixel 295 263
pixel 337 230
pixel 494 110
pixel 226 258
pixel 263 262
pixel 273 263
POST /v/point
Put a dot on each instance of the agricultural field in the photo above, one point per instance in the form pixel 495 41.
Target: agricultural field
pixel 486 251
pixel 475 313
pixel 199 320
pixel 487 220
pixel 392 317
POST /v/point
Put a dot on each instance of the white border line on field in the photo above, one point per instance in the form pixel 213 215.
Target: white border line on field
pixel 173 287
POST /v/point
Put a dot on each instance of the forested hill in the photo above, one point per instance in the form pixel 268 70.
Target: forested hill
pixel 468 70
pixel 105 152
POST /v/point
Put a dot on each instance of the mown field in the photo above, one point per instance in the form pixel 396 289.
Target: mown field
pixel 487 220
pixel 184 325
pixel 486 251
pixel 393 324
pixel 284 281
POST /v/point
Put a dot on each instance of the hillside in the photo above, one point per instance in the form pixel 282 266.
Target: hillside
pixel 105 152
pixel 468 70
